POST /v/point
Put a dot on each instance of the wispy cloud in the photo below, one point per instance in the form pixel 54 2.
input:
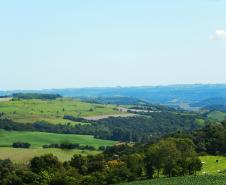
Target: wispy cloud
pixel 219 35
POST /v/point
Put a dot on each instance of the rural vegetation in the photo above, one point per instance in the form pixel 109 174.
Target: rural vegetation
pixel 49 109
pixel 116 164
pixel 49 140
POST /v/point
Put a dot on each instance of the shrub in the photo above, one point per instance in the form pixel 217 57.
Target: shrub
pixel 21 145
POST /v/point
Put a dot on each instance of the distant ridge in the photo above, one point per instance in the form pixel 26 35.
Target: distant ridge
pixel 181 95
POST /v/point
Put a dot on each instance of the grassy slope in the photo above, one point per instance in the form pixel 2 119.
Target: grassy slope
pixel 37 139
pixel 29 111
pixel 52 111
pixel 20 155
pixel 210 165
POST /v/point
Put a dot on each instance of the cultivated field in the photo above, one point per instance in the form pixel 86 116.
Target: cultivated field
pixel 188 180
pixel 96 118
pixel 5 99
pixel 53 111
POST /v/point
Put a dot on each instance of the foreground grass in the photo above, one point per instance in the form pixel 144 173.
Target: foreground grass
pixel 188 180
pixel 210 166
pixel 22 156
pixel 52 111
pixel 38 139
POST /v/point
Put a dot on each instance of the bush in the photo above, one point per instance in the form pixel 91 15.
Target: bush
pixel 21 145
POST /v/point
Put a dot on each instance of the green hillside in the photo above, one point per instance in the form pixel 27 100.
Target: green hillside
pixel 38 139
pixel 213 164
pixel 52 111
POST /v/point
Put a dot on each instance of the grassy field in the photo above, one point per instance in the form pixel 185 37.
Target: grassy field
pixel 192 180
pixel 20 155
pixel 210 166
pixel 217 115
pixel 37 139
pixel 52 111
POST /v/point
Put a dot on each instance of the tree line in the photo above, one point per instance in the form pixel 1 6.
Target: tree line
pixel 137 129
pixel 210 139
pixel 35 96
pixel 121 163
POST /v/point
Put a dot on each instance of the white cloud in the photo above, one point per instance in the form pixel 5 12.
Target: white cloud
pixel 219 35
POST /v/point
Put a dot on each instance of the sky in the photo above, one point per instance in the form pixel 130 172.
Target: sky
pixel 99 43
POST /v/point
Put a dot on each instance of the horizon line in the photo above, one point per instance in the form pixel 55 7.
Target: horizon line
pixel 106 87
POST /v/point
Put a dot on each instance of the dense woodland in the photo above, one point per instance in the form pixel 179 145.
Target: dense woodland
pixel 138 129
pixel 211 139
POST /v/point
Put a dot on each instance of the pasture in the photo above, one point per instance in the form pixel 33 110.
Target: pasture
pixel 213 164
pixel 22 156
pixel 53 111
pixel 38 139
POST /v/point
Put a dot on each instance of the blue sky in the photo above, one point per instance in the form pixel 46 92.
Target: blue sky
pixel 58 44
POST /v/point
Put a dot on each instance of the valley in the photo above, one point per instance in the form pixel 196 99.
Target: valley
pixel 122 131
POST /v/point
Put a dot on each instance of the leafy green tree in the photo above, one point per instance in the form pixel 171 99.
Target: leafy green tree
pixel 135 162
pixel 95 163
pixel 79 162
pixel 46 162
pixel 153 160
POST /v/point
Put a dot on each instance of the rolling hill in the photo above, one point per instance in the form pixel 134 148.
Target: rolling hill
pixel 185 96
pixel 53 111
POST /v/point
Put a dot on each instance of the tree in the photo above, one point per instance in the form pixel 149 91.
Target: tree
pixel 194 164
pixel 175 156
pixel 95 163
pixel 135 163
pixel 45 162
pixel 79 162
pixel 154 159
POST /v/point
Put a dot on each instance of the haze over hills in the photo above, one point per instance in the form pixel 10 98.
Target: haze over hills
pixel 183 96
